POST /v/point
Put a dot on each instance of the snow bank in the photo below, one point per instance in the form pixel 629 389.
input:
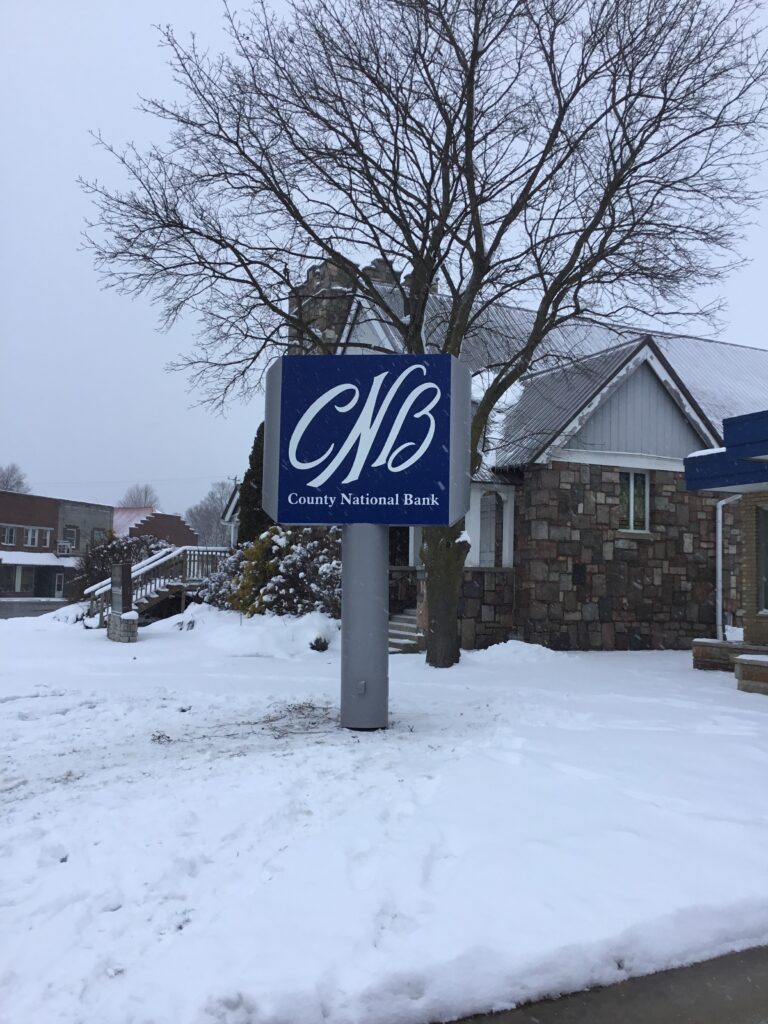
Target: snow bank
pixel 262 636
pixel 189 837
pixel 68 613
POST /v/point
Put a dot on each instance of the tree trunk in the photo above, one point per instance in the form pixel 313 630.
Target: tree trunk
pixel 443 556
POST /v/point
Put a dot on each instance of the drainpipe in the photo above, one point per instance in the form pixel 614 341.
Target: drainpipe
pixel 719 562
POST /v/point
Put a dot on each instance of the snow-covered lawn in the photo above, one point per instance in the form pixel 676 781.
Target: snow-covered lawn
pixel 187 836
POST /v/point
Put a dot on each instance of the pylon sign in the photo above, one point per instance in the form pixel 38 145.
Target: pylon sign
pixel 367 439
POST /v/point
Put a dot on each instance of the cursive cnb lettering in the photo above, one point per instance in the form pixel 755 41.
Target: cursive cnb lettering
pixel 418 404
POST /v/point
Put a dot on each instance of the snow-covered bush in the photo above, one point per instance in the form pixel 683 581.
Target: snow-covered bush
pixel 96 564
pixel 260 562
pixel 307 576
pixel 287 572
pixel 218 588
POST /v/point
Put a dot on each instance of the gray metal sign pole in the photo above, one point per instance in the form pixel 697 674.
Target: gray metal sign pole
pixel 365 626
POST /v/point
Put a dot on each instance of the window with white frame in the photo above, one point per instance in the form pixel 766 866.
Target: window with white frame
pixel 45 538
pixel 762 556
pixel 71 536
pixel 634 501
pixel 491 509
pixel 7 534
pixel 30 536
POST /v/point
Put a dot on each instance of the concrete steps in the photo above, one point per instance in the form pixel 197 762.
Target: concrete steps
pixel 404 634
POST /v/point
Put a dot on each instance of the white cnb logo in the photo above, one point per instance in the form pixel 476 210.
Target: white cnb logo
pixel 417 404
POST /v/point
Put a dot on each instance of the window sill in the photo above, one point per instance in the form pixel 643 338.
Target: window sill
pixel 635 534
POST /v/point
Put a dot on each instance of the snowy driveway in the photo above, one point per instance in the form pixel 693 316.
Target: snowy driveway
pixel 187 837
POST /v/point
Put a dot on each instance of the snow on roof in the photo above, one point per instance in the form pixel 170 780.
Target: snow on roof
pixel 705 451
pixel 725 379
pixel 36 558
pixel 551 400
pixel 124 519
pixel 722 378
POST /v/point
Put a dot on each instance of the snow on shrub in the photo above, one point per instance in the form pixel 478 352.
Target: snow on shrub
pixel 96 564
pixel 308 574
pixel 285 572
pixel 218 588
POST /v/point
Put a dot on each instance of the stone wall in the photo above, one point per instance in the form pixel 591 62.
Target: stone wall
pixel 582 583
pixel 123 629
pixel 321 306
pixel 486 607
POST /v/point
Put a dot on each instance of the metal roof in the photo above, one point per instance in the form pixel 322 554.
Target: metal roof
pixel 551 400
pixel 576 360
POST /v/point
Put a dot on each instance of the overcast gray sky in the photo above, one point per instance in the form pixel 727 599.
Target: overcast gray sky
pixel 87 408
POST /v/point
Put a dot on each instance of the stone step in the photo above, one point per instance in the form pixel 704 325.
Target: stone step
pixel 405 636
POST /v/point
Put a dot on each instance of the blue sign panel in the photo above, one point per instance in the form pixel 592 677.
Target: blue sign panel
pixel 367 439
pixel 741 465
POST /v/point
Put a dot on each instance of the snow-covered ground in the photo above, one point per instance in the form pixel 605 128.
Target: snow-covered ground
pixel 187 837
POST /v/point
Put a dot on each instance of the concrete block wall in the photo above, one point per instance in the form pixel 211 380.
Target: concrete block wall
pixel 86 517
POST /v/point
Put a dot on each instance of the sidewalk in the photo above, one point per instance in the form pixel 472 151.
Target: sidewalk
pixel 729 990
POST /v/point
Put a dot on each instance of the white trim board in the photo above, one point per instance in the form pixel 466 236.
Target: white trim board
pixel 622 460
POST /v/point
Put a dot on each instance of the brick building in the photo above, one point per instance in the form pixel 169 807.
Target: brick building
pixel 143 522
pixel 42 538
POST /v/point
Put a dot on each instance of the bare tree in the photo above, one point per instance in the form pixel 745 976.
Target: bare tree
pixel 140 496
pixel 13 479
pixel 579 157
pixel 205 517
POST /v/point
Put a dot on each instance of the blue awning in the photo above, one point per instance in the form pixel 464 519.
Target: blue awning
pixel 741 465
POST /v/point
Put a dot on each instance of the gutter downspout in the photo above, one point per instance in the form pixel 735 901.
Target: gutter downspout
pixel 719 561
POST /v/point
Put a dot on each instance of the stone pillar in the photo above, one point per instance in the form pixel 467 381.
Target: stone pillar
pixel 123 624
pixel 123 628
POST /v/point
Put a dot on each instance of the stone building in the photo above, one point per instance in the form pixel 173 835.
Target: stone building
pixel 583 533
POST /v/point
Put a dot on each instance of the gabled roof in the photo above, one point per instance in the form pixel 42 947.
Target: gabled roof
pixel 550 400
pixel 556 403
pixel 716 379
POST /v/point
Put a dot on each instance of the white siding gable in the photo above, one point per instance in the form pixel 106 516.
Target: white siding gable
pixel 639 416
